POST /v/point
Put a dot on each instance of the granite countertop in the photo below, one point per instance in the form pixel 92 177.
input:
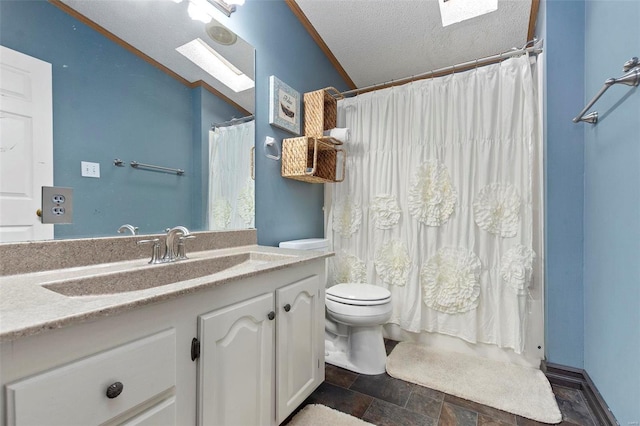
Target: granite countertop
pixel 27 308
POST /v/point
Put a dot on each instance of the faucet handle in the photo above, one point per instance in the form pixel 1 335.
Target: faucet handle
pixel 155 250
pixel 182 253
pixel 155 240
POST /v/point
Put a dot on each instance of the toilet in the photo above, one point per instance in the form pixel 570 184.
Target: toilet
pixel 354 317
pixel 353 327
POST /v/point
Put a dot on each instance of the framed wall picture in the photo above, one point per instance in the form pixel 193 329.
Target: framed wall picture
pixel 284 106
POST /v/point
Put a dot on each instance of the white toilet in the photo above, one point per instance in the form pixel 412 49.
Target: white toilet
pixel 353 327
pixel 353 321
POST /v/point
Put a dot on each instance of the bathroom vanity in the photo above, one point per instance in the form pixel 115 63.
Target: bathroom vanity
pixel 241 345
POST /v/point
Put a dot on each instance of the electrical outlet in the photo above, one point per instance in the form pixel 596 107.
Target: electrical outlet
pixel 89 169
pixel 58 199
pixel 57 204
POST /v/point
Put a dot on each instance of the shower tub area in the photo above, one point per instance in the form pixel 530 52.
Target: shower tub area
pixel 442 204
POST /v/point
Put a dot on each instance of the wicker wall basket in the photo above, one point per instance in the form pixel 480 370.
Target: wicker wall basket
pixel 320 111
pixel 311 160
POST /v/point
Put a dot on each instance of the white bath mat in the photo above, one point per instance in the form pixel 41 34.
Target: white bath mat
pixel 319 415
pixel 518 390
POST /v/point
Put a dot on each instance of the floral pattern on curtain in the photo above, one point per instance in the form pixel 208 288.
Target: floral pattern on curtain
pixel 438 204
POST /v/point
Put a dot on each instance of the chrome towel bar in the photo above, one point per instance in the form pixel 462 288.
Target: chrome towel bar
pixel 118 162
pixel 630 78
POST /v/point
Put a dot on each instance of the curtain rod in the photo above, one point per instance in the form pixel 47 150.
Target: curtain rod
pixel 233 121
pixel 535 49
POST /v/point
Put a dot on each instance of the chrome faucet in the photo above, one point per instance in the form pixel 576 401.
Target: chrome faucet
pixel 130 228
pixel 170 250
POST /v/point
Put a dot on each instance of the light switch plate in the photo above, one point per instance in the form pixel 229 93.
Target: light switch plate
pixel 57 204
pixel 89 169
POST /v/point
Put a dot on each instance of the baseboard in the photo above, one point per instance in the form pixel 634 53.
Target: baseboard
pixel 577 378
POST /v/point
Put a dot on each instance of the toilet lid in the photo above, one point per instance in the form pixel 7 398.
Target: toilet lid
pixel 358 294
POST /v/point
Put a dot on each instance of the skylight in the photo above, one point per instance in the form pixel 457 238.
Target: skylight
pixel 204 56
pixel 453 11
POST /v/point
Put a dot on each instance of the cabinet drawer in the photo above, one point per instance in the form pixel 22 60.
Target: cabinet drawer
pixel 76 393
pixel 163 414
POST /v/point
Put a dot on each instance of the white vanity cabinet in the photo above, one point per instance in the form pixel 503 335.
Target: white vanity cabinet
pixel 252 370
pixel 132 378
pixel 262 357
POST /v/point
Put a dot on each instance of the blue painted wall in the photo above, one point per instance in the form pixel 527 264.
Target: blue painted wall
pixel 108 104
pixel 285 209
pixel 564 302
pixel 612 210
pixel 593 319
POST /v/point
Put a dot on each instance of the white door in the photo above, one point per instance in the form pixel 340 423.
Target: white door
pixel 26 145
pixel 235 370
pixel 300 343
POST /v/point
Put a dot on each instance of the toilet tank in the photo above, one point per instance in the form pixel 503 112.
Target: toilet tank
pixel 319 244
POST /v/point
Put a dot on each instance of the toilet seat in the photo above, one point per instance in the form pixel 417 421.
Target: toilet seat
pixel 358 294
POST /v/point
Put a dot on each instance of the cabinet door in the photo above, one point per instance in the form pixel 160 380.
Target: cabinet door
pixel 236 365
pixel 300 343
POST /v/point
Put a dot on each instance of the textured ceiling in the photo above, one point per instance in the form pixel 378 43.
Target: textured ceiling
pixel 156 28
pixel 376 41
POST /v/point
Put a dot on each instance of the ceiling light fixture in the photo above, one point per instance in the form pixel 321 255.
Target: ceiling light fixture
pixel 204 56
pixel 199 11
pixel 226 7
pixel 205 10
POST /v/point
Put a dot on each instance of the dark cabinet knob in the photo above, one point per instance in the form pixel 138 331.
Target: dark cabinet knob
pixel 114 390
pixel 287 307
pixel 271 315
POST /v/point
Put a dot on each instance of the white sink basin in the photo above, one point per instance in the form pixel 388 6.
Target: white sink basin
pixel 158 275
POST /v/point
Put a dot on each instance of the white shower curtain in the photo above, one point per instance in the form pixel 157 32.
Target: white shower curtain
pixel 231 188
pixel 437 204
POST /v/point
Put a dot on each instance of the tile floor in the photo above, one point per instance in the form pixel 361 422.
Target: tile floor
pixel 385 401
